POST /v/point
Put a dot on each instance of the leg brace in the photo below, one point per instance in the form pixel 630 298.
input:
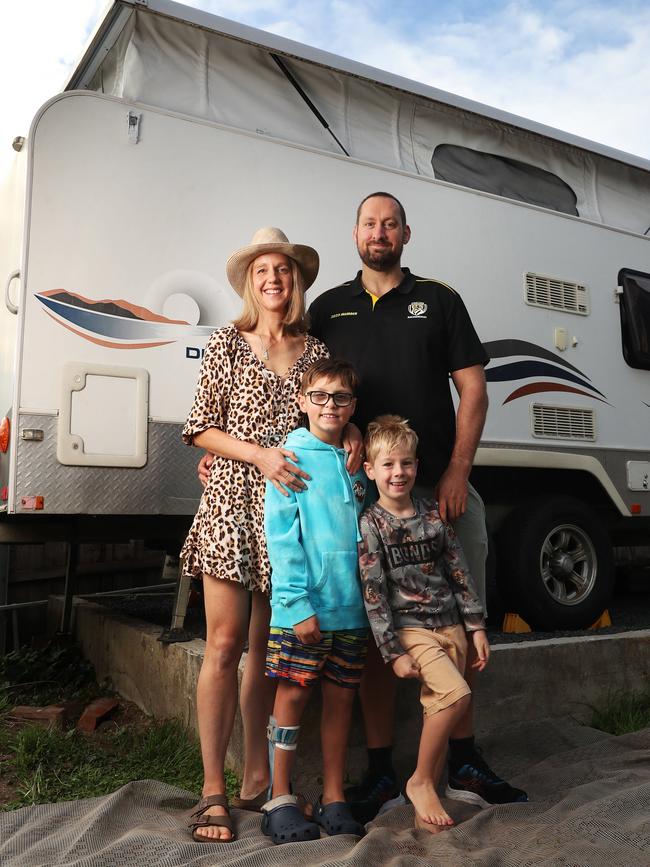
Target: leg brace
pixel 282 737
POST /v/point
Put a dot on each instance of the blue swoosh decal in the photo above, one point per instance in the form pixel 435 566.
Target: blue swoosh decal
pixel 506 348
pixel 526 369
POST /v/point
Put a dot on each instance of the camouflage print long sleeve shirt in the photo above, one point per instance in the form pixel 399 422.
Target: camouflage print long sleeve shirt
pixel 414 573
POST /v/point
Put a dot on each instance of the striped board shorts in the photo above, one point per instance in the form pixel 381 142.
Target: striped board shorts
pixel 339 656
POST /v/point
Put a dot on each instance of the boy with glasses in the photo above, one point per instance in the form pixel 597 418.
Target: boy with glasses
pixel 319 628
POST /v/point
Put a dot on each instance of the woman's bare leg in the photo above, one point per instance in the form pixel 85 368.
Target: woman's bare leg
pixel 226 616
pixel 256 700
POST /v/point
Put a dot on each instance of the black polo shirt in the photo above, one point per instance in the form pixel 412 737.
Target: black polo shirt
pixel 403 350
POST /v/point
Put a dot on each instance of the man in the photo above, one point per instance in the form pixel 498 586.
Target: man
pixel 406 336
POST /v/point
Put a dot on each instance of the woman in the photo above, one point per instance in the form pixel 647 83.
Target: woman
pixel 245 405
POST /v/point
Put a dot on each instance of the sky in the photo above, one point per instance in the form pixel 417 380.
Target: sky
pixel 576 65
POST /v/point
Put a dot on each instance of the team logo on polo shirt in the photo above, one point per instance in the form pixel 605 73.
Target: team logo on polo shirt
pixel 417 309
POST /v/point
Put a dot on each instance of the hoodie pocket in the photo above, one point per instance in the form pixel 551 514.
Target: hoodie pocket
pixel 338 569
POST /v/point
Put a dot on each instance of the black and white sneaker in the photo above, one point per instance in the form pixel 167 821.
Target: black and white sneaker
pixel 476 783
pixel 374 797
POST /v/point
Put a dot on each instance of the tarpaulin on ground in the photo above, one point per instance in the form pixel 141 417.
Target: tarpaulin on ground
pixel 589 796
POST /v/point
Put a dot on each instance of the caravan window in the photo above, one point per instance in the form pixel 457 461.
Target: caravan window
pixel 635 317
pixel 503 176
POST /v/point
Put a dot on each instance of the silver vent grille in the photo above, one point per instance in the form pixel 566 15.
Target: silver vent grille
pixel 563 422
pixel 553 294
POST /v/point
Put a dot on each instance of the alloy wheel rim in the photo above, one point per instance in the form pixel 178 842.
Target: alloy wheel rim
pixel 568 564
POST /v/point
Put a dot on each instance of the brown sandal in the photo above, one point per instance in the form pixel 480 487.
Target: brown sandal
pixel 253 804
pixel 201 821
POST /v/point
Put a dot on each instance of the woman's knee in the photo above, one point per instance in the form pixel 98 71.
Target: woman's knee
pixel 224 649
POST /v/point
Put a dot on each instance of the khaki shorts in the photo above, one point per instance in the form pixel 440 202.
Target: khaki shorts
pixel 441 655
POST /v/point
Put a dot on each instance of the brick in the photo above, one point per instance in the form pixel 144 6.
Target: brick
pixel 52 715
pixel 95 713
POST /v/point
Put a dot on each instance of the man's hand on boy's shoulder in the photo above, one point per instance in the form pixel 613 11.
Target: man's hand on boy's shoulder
pixel 482 647
pixel 405 666
pixel 308 631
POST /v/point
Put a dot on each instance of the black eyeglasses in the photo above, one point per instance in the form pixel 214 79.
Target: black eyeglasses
pixel 321 398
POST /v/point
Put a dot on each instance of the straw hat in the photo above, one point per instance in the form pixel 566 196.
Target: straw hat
pixel 270 240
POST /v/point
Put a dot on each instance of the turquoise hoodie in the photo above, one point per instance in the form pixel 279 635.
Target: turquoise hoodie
pixel 312 538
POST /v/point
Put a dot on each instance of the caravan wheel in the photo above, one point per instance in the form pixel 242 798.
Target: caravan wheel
pixel 556 564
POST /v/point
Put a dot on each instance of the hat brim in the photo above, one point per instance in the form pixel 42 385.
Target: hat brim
pixel 237 265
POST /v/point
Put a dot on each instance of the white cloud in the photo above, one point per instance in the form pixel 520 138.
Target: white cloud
pixel 39 42
pixel 518 62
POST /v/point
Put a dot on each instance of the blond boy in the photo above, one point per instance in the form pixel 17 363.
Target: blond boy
pixel 421 603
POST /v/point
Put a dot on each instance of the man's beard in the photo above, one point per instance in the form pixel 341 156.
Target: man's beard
pixel 382 259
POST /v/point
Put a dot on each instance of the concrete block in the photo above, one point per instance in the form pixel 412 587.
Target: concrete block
pixel 558 677
pixel 525 681
pixel 159 678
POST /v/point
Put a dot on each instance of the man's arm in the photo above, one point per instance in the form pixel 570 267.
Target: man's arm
pixel 451 491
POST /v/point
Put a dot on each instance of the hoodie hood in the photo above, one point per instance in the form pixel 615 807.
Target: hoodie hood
pixel 301 438
pixel 304 439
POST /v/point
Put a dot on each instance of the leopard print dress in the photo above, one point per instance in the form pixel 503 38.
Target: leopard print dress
pixel 239 395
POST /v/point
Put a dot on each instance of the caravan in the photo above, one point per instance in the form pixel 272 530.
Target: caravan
pixel 135 183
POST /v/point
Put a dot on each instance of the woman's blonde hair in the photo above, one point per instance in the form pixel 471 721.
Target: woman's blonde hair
pixel 389 432
pixel 295 320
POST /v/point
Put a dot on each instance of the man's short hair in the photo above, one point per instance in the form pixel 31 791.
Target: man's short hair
pixel 330 368
pixel 389 432
pixel 381 195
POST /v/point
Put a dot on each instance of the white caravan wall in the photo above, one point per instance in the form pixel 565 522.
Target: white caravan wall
pixel 12 197
pixel 141 222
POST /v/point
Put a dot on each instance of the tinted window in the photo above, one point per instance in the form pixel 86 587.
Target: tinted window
pixel 503 177
pixel 635 317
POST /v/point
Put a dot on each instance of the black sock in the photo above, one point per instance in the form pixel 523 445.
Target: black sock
pixel 461 751
pixel 380 762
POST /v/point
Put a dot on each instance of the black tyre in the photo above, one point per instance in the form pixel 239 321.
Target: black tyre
pixel 555 564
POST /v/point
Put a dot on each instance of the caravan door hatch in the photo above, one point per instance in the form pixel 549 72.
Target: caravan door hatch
pixel 103 416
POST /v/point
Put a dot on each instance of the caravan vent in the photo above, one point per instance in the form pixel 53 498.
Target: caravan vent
pixel 556 294
pixel 563 422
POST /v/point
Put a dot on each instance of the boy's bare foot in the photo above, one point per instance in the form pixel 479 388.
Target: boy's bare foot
pixel 427 805
pixel 421 825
